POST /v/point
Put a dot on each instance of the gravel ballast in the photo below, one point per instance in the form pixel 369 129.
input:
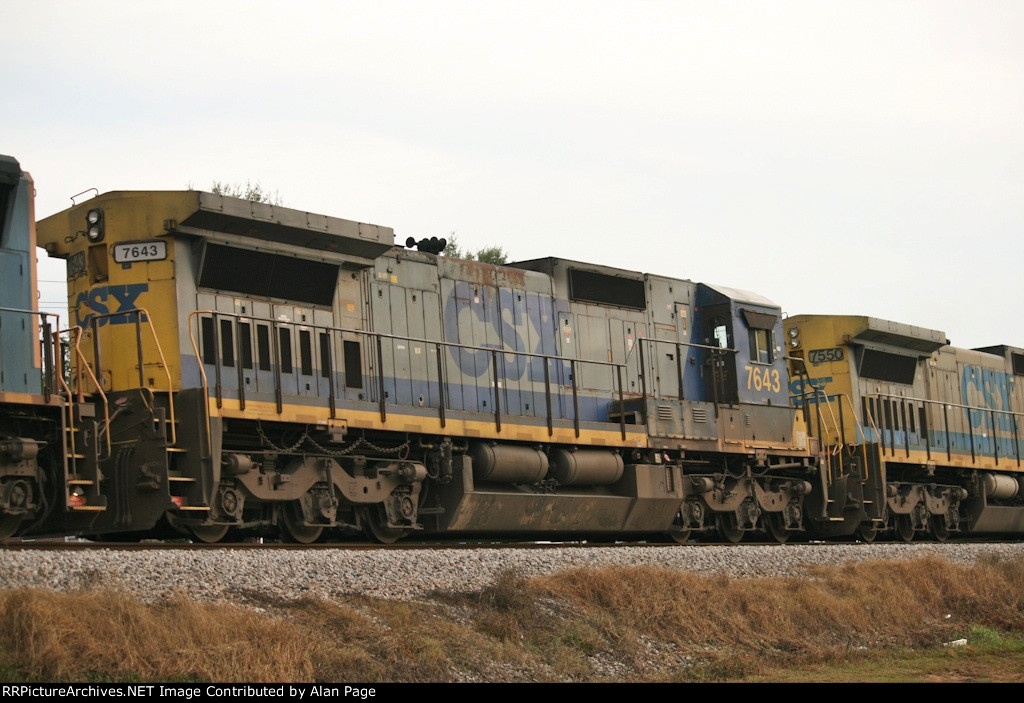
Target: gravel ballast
pixel 213 574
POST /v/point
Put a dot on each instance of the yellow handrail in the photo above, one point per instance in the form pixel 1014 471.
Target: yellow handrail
pixel 874 428
pixel 841 441
pixel 167 371
pixel 860 428
pixel 83 363
pixel 59 373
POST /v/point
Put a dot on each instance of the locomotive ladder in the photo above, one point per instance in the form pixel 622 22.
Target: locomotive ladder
pixel 78 412
pixel 830 422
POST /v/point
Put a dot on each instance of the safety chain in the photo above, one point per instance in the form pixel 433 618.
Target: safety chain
pixel 282 450
pixel 361 442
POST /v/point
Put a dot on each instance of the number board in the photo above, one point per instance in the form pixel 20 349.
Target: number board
pixel 129 252
pixel 820 356
pixel 76 265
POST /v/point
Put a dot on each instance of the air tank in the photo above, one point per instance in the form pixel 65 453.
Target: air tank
pixel 585 467
pixel 1001 486
pixel 507 463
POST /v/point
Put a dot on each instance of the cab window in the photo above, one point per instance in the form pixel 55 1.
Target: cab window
pixel 760 346
pixel 722 336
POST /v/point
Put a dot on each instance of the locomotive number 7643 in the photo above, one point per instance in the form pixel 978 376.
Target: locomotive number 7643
pixel 763 378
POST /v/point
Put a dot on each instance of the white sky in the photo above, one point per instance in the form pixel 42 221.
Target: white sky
pixel 836 157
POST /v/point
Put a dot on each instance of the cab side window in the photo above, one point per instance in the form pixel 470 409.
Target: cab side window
pixel 721 334
pixel 760 346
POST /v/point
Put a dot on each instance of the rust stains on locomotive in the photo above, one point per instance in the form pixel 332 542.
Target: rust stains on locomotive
pixel 486 274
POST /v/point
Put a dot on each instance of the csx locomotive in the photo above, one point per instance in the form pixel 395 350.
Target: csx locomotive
pixel 239 368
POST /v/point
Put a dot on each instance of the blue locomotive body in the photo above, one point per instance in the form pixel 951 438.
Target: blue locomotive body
pixel 31 429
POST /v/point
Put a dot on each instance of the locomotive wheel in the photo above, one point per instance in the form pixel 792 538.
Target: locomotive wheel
pixel 9 525
pixel 905 528
pixel 939 528
pixel 775 527
pixel 292 529
pixel 209 534
pixel 376 529
pixel 676 532
pixel 866 532
pixel 728 529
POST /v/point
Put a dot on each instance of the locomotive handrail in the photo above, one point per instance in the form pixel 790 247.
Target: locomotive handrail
pixel 67 405
pixel 386 335
pixel 49 376
pixel 139 313
pixel 945 426
pixel 709 347
pixel 976 408
pixel 84 364
pixel 642 367
pixel 202 375
pixel 493 352
pixel 382 335
pixel 874 428
pixel 840 427
pixel 802 372
pixel 860 431
pixel 48 382
pixel 29 312
pixel 831 450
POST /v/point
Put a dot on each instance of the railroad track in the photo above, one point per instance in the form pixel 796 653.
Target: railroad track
pixel 60 545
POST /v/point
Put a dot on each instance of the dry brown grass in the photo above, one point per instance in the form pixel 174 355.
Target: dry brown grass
pixel 587 624
pixel 106 633
pixel 736 625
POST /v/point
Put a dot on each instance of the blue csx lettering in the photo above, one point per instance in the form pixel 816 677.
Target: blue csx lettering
pixel 811 387
pixel 990 391
pixel 509 321
pixel 98 302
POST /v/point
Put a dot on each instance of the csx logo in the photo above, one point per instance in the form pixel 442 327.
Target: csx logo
pixel 985 389
pixel 97 301
pixel 813 388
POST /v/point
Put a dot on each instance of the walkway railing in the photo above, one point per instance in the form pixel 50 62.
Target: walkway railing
pixel 235 356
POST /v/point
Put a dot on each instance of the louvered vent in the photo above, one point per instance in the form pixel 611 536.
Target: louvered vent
pixel 664 412
pixel 700 415
pixel 746 419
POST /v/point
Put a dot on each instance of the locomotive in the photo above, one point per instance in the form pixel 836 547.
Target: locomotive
pixel 32 419
pixel 934 431
pixel 239 368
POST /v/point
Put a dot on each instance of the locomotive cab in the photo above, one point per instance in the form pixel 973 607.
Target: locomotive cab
pixel 743 358
pixel 31 422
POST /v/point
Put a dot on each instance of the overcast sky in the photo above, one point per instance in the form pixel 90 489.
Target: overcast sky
pixel 836 157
